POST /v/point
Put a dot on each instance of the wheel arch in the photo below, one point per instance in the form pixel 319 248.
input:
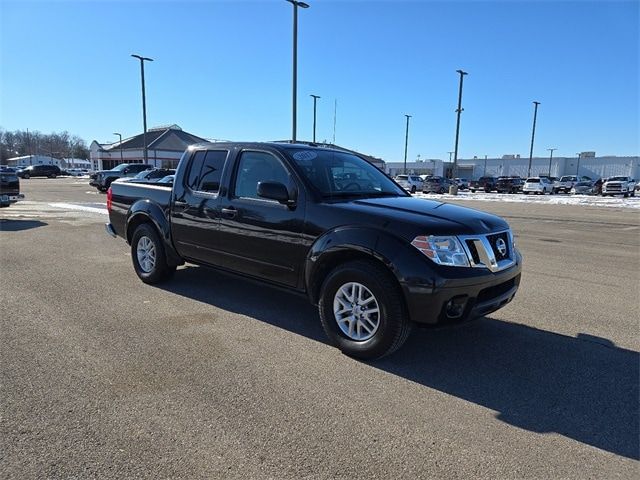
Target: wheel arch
pixel 145 211
pixel 348 244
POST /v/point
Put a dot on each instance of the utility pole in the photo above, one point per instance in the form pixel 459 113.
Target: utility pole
pixel 550 158
pixel 485 166
pixel 578 166
pixel 406 143
pixel 533 134
pixel 315 99
pixel 459 111
pixel 144 103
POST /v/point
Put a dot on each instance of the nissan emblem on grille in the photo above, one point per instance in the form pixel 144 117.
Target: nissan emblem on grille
pixel 501 245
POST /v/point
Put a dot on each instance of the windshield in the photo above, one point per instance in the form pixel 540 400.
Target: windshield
pixel 568 178
pixel 337 174
pixel 119 168
pixel 617 179
pixel 533 180
pixel 402 177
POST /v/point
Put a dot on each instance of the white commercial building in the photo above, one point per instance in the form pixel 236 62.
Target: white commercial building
pixel 588 165
pixel 27 160
pixel 165 146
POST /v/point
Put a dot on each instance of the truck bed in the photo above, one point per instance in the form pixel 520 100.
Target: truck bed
pixel 125 194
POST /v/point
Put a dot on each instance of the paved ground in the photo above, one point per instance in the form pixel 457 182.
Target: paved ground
pixel 210 376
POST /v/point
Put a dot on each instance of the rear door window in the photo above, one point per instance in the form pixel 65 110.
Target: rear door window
pixel 211 171
pixel 193 180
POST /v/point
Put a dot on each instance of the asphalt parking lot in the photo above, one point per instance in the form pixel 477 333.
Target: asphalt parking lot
pixel 211 376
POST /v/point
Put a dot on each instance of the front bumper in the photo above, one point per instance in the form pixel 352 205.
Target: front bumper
pixel 447 300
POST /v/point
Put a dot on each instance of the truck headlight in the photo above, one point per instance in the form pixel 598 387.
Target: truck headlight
pixel 442 250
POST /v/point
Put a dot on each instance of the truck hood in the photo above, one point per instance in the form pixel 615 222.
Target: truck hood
pixel 426 216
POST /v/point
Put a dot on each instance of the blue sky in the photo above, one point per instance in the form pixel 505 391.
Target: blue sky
pixel 222 69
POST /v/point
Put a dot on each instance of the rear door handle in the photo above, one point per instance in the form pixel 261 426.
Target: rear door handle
pixel 230 212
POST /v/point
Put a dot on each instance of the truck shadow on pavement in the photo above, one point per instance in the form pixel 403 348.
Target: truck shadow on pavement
pixel 584 388
pixel 11 225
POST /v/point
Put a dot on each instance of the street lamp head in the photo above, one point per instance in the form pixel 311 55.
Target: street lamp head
pixel 462 72
pixel 536 103
pixel 296 3
pixel 408 116
pixel 315 96
pixel 141 58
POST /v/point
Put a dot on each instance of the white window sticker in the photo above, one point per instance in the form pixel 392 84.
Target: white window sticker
pixel 305 155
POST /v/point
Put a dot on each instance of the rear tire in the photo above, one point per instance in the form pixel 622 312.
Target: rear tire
pixel 26 176
pixel 347 294
pixel 148 255
pixel 413 189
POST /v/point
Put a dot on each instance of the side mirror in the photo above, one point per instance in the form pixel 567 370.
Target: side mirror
pixel 125 171
pixel 273 191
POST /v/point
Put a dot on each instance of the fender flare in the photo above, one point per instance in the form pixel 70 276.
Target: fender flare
pixel 146 211
pixel 361 242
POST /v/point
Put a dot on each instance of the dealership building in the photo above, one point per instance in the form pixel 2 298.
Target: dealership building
pixel 165 146
pixel 586 164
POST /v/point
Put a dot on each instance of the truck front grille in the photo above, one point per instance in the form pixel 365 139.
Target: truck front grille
pixel 493 251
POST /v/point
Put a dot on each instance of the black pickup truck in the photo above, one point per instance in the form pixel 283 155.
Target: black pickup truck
pixel 325 223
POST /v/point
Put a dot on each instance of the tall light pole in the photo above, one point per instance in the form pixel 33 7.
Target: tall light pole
pixel 450 153
pixel 315 99
pixel 550 158
pixel 120 142
pixel 144 103
pixel 295 4
pixel 406 143
pixel 533 134
pixel 578 165
pixel 459 111
pixel 485 166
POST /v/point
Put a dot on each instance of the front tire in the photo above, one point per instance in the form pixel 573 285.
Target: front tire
pixel 413 189
pixel 148 255
pixel 362 310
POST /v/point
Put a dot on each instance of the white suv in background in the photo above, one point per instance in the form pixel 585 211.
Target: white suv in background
pixel 411 183
pixel 619 185
pixel 539 185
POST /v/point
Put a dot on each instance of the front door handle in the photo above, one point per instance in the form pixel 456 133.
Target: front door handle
pixel 229 212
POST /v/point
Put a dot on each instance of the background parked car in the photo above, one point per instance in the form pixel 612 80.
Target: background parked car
pixel 539 185
pixel 463 183
pixel 51 171
pixel 566 183
pixel 9 187
pixel 103 178
pixel 436 184
pixel 411 183
pixel 168 180
pixel 619 185
pixel 483 183
pixel 586 187
pixel 152 175
pixel 509 184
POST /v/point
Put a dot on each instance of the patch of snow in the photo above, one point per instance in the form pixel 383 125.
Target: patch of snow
pixel 82 208
pixel 558 199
